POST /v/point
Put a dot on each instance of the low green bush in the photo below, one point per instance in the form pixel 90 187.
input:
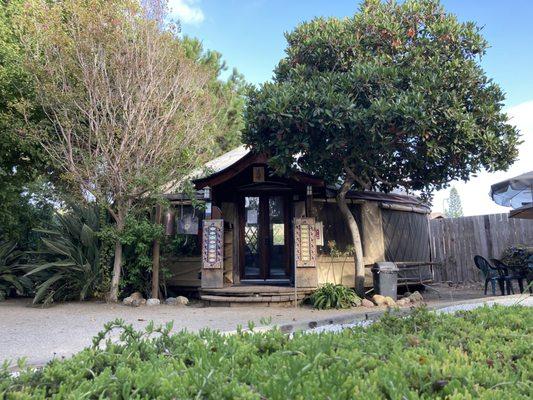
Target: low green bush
pixel 11 272
pixel 330 296
pixel 517 254
pixel 485 354
pixel 67 267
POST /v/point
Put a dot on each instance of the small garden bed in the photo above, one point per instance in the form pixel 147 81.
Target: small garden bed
pixel 484 353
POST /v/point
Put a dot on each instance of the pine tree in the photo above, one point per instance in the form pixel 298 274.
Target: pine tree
pixel 455 208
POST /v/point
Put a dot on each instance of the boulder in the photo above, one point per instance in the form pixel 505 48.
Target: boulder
pixel 415 297
pixel 136 296
pixel 403 302
pixel 171 301
pixel 367 303
pixel 127 301
pixel 153 302
pixel 137 303
pixel 182 300
pixel 177 301
pixel 389 301
pixel 379 300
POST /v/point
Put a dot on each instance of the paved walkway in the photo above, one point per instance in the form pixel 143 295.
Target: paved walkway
pixel 40 334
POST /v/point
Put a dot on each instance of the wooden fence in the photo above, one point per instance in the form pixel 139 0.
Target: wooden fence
pixel 455 242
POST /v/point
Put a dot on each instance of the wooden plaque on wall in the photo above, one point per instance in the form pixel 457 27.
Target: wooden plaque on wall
pixel 258 174
pixel 305 242
pixel 213 244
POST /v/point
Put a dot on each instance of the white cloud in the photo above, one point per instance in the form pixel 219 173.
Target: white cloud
pixel 187 11
pixel 475 193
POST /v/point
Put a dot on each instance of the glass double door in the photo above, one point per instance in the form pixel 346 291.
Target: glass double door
pixel 265 237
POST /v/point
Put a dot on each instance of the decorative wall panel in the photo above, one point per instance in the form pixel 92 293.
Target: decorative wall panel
pixel 213 244
pixel 305 242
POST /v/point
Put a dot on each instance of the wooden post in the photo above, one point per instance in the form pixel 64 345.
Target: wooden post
pixel 156 257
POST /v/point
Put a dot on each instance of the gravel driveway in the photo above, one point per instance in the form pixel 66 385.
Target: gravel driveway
pixel 40 334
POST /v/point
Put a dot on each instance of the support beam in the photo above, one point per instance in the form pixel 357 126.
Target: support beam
pixel 156 255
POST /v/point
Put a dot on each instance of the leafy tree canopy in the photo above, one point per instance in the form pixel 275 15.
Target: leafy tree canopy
pixel 22 159
pixel 393 96
pixel 229 94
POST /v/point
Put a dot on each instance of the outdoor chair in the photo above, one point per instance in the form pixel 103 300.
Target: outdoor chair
pixel 491 275
pixel 519 274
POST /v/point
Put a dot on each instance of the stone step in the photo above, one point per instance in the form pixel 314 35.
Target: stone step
pixel 249 291
pixel 251 299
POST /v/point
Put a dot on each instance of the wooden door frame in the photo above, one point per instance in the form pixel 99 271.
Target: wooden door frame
pixel 263 233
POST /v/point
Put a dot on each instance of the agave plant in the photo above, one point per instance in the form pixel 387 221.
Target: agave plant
pixel 11 272
pixel 69 266
pixel 330 296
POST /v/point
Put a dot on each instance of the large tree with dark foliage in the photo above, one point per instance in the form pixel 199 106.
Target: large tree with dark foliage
pixel 392 97
pixel 23 162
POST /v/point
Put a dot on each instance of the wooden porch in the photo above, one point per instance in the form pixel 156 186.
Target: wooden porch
pixel 253 295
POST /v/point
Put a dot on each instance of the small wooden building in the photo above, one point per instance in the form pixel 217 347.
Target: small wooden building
pixel 253 242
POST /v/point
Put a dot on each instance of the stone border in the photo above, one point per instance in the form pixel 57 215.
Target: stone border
pixel 375 315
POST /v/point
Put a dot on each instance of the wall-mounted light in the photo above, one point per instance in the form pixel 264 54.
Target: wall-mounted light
pixel 309 190
pixel 207 193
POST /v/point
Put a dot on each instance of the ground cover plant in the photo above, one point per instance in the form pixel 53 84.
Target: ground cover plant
pixel 330 296
pixel 484 353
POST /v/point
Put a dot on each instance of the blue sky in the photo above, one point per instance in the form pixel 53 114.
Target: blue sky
pixel 249 34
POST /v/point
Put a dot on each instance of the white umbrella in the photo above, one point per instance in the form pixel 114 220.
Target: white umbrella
pixel 517 193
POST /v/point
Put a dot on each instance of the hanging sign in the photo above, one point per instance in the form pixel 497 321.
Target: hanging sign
pixel 188 225
pixel 319 230
pixel 258 174
pixel 305 242
pixel 213 243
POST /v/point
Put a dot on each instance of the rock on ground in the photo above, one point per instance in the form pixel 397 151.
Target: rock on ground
pixel 389 301
pixel 379 300
pixel 177 301
pixel 153 302
pixel 415 297
pixel 136 296
pixel 367 303
pixel 137 302
pixel 403 302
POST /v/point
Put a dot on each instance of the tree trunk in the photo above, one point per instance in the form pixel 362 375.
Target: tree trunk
pixel 356 238
pixel 156 257
pixel 117 264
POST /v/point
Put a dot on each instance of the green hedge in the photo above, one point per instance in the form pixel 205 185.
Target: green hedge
pixel 486 353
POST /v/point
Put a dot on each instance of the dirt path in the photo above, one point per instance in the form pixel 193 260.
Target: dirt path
pixel 40 334
pixel 63 329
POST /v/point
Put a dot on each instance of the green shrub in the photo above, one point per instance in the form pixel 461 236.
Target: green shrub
pixel 481 354
pixel 11 272
pixel 68 265
pixel 330 296
pixel 137 239
pixel 517 254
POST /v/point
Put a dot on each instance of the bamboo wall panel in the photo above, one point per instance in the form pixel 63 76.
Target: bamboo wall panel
pixel 406 236
pixel 455 242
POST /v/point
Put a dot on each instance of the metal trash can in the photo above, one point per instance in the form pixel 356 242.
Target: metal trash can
pixel 385 276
